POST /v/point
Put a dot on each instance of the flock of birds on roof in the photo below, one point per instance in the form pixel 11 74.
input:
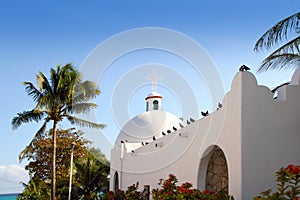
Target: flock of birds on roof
pixel 204 114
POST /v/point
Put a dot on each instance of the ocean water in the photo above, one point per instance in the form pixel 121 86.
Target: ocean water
pixel 8 196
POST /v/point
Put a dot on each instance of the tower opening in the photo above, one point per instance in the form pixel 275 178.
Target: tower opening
pixel 155 105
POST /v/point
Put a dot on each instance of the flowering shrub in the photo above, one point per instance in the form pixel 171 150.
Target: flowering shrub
pixel 288 182
pixel 169 190
pixel 131 194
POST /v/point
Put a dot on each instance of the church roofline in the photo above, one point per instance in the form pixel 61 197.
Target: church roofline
pixel 151 97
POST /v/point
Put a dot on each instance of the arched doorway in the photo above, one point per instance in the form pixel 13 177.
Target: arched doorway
pixel 116 181
pixel 217 171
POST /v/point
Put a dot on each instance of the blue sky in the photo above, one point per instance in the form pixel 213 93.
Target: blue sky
pixel 37 35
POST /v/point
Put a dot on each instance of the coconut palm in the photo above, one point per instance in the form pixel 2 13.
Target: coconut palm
pixel 287 55
pixel 57 98
pixel 91 176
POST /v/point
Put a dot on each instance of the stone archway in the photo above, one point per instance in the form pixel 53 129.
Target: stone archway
pixel 217 171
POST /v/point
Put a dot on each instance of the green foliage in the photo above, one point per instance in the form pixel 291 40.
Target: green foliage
pixel 39 156
pixel 36 189
pixel 288 185
pixel 90 176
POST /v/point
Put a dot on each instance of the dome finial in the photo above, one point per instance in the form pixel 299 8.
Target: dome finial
pixel 154 77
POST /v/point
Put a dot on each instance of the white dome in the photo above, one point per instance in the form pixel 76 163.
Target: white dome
pixel 144 126
pixel 154 94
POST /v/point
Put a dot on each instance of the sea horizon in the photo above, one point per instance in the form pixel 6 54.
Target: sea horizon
pixel 8 196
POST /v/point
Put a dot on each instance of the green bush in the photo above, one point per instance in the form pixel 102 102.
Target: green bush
pixel 288 187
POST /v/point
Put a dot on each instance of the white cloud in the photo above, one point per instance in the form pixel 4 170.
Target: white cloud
pixel 11 177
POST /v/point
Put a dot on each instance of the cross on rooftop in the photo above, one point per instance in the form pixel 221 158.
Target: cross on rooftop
pixel 154 77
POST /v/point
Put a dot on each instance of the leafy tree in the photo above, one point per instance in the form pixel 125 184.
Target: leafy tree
pixel 58 98
pixel 287 55
pixel 36 189
pixel 39 157
pixel 91 175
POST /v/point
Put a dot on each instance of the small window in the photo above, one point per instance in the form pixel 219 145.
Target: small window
pixel 155 105
pixel 147 106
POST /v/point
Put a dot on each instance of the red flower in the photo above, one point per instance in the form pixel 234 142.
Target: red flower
pixel 207 192
pixel 290 167
pixel 296 170
pixel 171 176
pixel 181 189
pixel 169 193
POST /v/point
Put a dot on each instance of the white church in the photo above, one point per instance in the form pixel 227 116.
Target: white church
pixel 237 148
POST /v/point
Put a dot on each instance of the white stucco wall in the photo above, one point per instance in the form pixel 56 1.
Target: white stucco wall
pixel 257 135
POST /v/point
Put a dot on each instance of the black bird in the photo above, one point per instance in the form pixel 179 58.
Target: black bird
pixel 204 113
pixel 244 68
pixel 181 126
pixel 154 138
pixel 163 133
pixel 188 122
pixel 192 120
pixel 168 131
pixel 174 128
pixel 219 105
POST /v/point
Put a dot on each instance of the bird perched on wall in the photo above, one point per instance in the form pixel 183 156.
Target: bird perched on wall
pixel 192 120
pixel 168 131
pixel 219 105
pixel 154 138
pixel 174 128
pixel 163 133
pixel 204 113
pixel 244 68
pixel 181 126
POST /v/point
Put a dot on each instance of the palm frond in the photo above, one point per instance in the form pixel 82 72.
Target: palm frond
pixel 85 91
pixel 46 103
pixel 84 108
pixel 289 47
pixel 44 84
pixel 279 32
pixel 32 91
pixel 280 61
pixel 27 116
pixel 83 123
pixel 29 149
pixel 279 86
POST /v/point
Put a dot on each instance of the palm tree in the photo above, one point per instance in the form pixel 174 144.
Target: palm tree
pixel 287 55
pixel 91 176
pixel 58 98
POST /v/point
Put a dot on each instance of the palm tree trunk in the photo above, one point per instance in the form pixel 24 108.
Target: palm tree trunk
pixel 53 169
